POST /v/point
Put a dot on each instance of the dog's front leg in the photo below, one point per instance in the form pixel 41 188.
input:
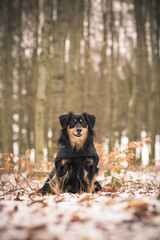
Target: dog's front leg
pixel 63 171
pixel 92 170
pixel 54 182
pixel 49 182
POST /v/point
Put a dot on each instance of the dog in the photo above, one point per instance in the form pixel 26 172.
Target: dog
pixel 76 163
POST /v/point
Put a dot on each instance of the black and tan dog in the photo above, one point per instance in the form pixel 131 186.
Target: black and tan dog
pixel 76 162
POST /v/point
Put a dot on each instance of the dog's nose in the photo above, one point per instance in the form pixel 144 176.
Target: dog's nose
pixel 79 130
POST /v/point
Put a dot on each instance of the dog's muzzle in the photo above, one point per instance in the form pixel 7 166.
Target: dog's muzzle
pixel 78 131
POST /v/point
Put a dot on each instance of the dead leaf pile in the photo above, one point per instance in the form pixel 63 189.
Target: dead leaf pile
pixel 130 211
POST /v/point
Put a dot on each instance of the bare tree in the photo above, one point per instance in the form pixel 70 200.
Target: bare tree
pixel 42 81
pixel 6 114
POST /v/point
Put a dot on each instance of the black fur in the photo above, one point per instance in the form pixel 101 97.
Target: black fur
pixel 74 174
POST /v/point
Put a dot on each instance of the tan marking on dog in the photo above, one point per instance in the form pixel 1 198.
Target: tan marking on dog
pixel 86 179
pixel 77 142
pixel 61 180
pixel 64 161
pixel 92 184
pixel 90 161
pixel 53 183
pixel 57 183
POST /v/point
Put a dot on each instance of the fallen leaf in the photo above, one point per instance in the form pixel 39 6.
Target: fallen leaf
pixel 112 188
pixel 18 199
pixel 39 201
pixel 110 202
pixel 28 152
pixel 115 195
pixel 86 198
pixel 37 228
pixel 137 205
pixel 59 199
pixel 140 192
pixel 148 139
pixel 76 218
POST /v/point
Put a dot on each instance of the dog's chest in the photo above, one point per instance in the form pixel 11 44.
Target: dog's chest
pixel 78 164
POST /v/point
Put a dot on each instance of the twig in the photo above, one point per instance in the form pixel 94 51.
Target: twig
pixel 25 180
pixel 10 191
pixel 12 167
pixel 21 186
pixel 17 183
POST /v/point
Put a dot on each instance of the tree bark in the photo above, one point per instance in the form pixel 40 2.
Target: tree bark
pixel 102 80
pixel 153 99
pixel 41 84
pixel 20 80
pixel 134 104
pixel 6 116
pixel 87 67
pixel 57 75
pixel 31 81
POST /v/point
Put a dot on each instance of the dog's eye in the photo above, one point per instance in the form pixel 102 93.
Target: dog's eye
pixel 83 123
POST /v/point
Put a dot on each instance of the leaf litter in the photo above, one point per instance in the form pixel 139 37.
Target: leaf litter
pixel 130 211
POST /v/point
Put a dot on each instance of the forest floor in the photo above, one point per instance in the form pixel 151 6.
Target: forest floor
pixel 131 211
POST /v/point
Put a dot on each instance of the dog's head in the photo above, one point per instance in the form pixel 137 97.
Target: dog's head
pixel 77 125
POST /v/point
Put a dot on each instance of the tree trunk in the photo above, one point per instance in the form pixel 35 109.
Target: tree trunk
pixel 41 84
pixel 87 67
pixel 153 100
pixel 20 80
pixel 102 81
pixel 134 104
pixel 57 76
pixel 132 109
pixel 6 116
pixel 31 82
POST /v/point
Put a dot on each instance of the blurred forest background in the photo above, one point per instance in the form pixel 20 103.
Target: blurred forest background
pixel 98 56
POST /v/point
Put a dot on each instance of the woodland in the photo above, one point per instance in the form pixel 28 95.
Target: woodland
pixel 101 57
pixel 95 56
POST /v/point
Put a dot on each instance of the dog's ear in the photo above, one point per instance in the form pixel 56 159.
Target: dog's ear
pixel 91 119
pixel 64 120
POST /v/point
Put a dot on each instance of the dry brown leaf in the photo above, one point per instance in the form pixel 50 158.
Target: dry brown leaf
pixel 140 192
pixel 115 195
pixel 37 228
pixel 110 202
pixel 137 205
pixel 59 199
pixel 33 193
pixel 76 218
pixel 148 139
pixel 39 201
pixel 18 199
pixel 112 188
pixel 86 198
pixel 104 189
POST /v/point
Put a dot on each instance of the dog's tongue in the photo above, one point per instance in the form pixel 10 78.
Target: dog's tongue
pixel 78 134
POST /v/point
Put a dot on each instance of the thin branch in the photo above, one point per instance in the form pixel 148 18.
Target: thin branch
pixel 25 180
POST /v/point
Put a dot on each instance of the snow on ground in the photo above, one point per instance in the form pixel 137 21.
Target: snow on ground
pixel 128 212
